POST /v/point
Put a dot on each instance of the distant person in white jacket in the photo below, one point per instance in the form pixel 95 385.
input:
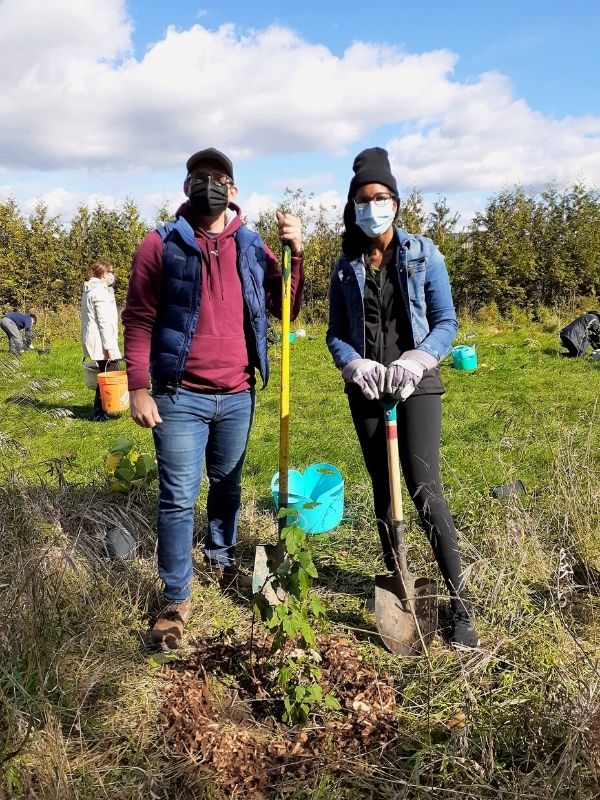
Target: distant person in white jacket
pixel 100 324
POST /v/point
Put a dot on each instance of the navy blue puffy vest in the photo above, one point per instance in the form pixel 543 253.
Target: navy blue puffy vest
pixel 180 300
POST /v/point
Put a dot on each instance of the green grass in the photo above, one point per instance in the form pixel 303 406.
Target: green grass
pixel 501 422
pixel 72 625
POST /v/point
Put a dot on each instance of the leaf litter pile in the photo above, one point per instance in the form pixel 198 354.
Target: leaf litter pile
pixel 223 708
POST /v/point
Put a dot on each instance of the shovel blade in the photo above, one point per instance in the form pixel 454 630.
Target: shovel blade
pixel 426 608
pixel 405 612
pixel 261 582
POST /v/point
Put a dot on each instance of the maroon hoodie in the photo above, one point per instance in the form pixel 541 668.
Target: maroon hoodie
pixel 219 359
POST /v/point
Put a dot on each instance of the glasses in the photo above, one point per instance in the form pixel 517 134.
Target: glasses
pixel 220 180
pixel 380 199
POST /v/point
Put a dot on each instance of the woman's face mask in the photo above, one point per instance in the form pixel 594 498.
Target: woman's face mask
pixel 109 278
pixel 375 218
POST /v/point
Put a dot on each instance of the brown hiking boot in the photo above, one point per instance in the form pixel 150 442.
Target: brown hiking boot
pixel 232 579
pixel 229 577
pixel 169 625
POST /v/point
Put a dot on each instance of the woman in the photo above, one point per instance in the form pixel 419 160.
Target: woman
pixel 99 324
pixel 391 321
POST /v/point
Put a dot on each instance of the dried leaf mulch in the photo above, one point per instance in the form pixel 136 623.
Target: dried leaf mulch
pixel 223 707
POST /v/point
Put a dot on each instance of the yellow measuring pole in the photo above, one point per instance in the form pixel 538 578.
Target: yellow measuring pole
pixel 284 384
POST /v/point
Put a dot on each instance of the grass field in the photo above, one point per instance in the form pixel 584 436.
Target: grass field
pixel 81 700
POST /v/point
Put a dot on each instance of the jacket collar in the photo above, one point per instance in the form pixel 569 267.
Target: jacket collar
pixel 187 233
pixel 404 240
pixel 403 237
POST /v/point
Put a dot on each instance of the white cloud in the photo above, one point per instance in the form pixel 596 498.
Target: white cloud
pixel 489 139
pixel 329 199
pixel 65 204
pixel 73 96
pixel 149 204
pixel 36 36
pixel 257 204
pixel 306 182
pixel 80 100
pixel 59 202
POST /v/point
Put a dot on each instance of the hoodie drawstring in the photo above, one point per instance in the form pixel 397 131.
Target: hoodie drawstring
pixel 212 249
pixel 216 253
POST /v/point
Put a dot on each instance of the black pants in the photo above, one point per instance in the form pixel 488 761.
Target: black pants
pixel 105 366
pixel 419 429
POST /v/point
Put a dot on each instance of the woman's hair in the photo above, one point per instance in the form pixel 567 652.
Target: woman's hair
pixel 354 241
pixel 98 269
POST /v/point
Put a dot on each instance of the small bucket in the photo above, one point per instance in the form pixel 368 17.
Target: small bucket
pixel 113 391
pixel 464 357
pixel 320 486
pixel 90 374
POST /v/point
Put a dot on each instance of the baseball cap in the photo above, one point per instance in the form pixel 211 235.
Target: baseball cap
pixel 210 154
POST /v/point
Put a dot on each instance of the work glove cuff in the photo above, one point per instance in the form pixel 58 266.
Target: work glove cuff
pixel 424 359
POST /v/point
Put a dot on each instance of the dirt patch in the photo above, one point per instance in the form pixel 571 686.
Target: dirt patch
pixel 223 708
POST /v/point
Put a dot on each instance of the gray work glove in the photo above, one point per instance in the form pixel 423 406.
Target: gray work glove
pixel 403 375
pixel 368 375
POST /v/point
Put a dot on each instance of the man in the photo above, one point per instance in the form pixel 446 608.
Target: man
pixel 195 316
pixel 12 324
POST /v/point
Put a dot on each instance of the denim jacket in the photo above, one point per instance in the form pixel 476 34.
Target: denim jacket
pixel 426 291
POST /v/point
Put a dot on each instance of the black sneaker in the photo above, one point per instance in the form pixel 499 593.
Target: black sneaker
pixel 464 634
pixel 101 417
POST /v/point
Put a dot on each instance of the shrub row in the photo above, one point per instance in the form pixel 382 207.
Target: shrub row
pixel 524 250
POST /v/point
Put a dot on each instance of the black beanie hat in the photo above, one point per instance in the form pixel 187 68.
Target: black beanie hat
pixel 372 166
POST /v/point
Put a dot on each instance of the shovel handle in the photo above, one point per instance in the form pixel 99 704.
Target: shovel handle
pixel 393 459
pixel 284 383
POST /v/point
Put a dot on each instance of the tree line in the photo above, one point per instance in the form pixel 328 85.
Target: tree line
pixel 523 249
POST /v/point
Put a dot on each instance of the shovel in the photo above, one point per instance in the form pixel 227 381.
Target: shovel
pixel 268 557
pixel 405 606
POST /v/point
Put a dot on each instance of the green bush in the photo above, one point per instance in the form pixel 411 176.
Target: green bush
pixel 524 250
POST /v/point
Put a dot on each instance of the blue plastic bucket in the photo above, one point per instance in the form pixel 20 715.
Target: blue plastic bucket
pixel 464 357
pixel 321 484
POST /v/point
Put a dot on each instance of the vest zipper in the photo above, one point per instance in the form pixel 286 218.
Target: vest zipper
pixel 380 349
pixel 186 341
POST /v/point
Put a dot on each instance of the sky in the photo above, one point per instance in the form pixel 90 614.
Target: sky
pixel 104 101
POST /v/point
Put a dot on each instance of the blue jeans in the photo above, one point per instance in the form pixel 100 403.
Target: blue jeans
pixel 196 427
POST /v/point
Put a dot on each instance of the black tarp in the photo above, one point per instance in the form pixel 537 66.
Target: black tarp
pixel 580 334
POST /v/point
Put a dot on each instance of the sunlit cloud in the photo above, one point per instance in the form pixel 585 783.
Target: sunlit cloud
pixel 73 97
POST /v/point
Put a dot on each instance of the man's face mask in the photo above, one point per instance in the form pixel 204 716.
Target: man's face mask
pixel 375 218
pixel 208 196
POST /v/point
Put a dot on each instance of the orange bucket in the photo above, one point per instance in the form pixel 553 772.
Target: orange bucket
pixel 113 391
